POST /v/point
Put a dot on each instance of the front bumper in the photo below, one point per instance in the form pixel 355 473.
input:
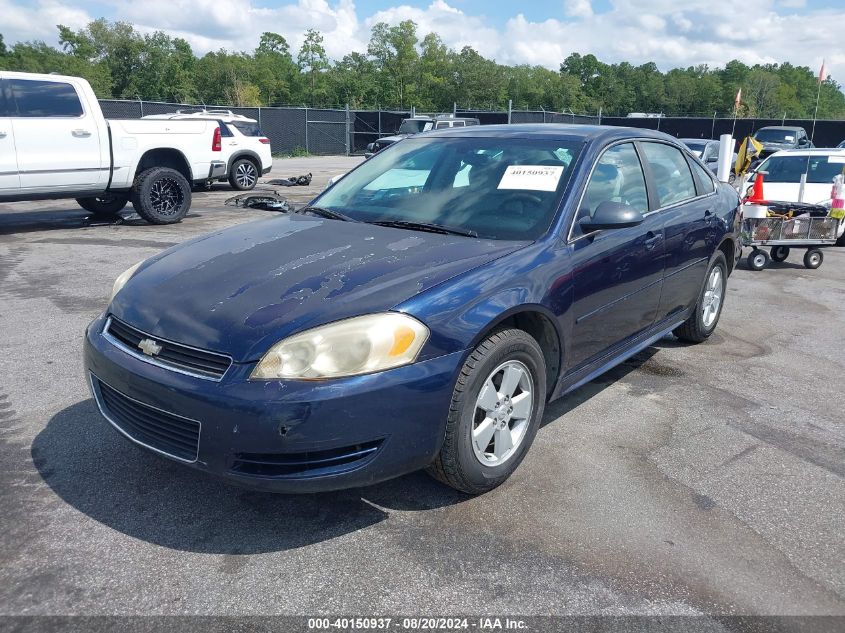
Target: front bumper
pixel 337 434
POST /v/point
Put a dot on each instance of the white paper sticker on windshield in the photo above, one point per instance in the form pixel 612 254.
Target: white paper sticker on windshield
pixel 789 138
pixel 531 177
pixel 836 159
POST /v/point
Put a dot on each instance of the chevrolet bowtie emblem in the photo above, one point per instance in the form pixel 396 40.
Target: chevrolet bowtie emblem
pixel 149 347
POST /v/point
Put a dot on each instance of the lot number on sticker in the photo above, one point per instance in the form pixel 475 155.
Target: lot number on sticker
pixel 531 177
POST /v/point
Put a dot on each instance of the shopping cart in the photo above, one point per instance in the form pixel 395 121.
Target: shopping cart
pixel 783 233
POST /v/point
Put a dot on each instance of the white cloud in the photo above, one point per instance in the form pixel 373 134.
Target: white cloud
pixel 671 32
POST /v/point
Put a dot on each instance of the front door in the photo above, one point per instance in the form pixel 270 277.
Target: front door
pixel 617 274
pixel 57 140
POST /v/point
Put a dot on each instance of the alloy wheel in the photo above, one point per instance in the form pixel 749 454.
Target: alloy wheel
pixel 502 413
pixel 712 297
pixel 166 196
pixel 246 175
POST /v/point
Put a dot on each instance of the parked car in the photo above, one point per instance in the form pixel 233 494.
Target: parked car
pixel 708 151
pixel 780 137
pixel 245 148
pixel 55 143
pixel 421 312
pixel 783 171
pixel 416 125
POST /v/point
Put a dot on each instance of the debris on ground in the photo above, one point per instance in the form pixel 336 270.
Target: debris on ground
pixel 269 201
pixel 293 181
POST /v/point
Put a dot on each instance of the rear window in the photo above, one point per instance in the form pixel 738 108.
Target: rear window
pixel 31 98
pixel 788 169
pixel 247 128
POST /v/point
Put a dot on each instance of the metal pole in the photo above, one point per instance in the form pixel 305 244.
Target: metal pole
pixel 713 127
pixel 783 120
pixel 141 103
pixel 379 124
pixel 348 132
pixel 599 115
pixel 413 111
pixel 259 117
pixel 816 111
pixel 306 131
pixel 510 109
pixel 454 108
pixel 544 113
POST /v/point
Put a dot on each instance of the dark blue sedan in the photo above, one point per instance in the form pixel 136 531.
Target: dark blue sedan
pixel 421 312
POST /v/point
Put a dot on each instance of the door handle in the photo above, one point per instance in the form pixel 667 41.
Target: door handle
pixel 652 240
pixel 81 133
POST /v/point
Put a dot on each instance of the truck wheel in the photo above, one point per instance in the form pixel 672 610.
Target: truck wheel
pixel 243 175
pixel 161 195
pixel 104 206
pixel 813 258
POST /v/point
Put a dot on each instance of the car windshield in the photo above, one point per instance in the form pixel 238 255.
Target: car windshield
pixel 775 136
pixel 820 169
pixel 247 128
pixel 496 188
pixel 414 126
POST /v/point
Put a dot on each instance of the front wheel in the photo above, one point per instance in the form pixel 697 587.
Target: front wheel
pixel 701 323
pixel 161 195
pixel 496 408
pixel 105 206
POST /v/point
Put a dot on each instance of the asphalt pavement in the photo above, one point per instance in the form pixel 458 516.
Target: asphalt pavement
pixel 691 479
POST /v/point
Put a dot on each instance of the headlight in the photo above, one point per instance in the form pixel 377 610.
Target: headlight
pixel 360 345
pixel 122 279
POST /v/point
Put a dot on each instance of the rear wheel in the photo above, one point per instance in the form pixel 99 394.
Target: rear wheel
pixel 701 323
pixel 758 259
pixel 813 258
pixel 161 195
pixel 243 175
pixel 496 408
pixel 103 206
pixel 779 253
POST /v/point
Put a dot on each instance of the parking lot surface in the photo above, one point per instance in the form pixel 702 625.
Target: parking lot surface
pixel 690 479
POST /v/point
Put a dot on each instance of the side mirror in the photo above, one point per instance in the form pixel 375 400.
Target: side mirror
pixel 611 215
pixel 370 147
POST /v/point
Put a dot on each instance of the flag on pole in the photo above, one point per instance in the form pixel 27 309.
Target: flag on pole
pixel 738 99
pixel 748 151
pixel 821 73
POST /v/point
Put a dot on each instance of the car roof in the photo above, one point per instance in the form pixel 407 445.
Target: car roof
pixel 817 151
pixel 697 140
pixel 789 128
pixel 560 131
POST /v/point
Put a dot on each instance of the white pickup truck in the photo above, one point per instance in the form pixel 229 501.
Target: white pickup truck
pixel 56 143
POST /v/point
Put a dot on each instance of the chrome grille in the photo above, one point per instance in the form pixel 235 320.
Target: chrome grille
pixel 177 356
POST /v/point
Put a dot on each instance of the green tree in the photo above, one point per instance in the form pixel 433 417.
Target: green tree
pixel 274 71
pixel 313 61
pixel 394 49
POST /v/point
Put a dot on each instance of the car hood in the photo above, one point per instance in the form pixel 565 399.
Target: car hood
pixel 240 290
pixel 394 138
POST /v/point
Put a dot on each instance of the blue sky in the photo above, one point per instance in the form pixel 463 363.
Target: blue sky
pixel 671 33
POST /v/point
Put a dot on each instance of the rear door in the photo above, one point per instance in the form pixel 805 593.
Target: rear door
pixel 686 204
pixel 9 179
pixel 56 136
pixel 617 274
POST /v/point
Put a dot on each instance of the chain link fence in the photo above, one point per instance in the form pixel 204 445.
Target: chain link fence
pixel 334 131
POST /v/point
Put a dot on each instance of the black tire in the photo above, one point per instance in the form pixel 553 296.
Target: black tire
pixel 757 259
pixel 695 329
pixel 779 253
pixel 813 258
pixel 456 464
pixel 161 195
pixel 104 206
pixel 243 174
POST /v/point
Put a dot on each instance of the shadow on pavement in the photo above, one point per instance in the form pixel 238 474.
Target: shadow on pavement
pixel 98 472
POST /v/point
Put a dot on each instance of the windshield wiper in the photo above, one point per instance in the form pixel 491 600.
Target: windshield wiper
pixel 325 213
pixel 426 226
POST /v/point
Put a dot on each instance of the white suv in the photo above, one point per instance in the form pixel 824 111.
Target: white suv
pixel 245 149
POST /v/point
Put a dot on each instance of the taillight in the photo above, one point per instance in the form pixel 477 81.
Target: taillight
pixel 217 142
pixel 264 140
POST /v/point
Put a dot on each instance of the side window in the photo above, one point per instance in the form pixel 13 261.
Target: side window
pixel 3 111
pixel 617 177
pixel 711 153
pixel 441 124
pixel 225 130
pixel 672 175
pixel 458 124
pixel 30 98
pixel 705 180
